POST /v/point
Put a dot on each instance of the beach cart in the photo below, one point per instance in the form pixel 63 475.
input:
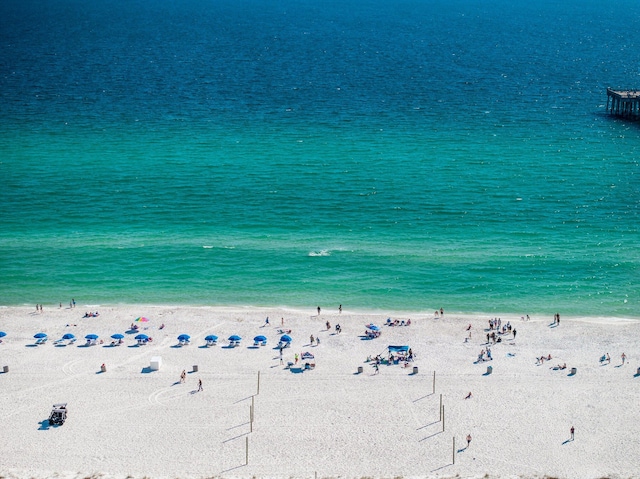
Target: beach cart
pixel 58 414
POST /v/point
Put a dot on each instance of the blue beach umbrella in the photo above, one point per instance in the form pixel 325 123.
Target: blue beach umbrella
pixel 40 335
pixel 2 334
pixel 184 337
pixel 235 337
pixel 68 336
pixel 141 337
pixel 117 336
pixel 91 336
pixel 211 337
pixel 260 339
pixel 373 327
pixel 285 338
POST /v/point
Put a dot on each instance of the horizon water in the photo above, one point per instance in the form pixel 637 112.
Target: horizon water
pixel 381 155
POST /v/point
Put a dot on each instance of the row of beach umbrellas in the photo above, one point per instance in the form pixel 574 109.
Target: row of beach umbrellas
pixel 183 337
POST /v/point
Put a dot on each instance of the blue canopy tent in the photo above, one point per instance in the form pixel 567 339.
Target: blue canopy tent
pixel 211 339
pixel 398 349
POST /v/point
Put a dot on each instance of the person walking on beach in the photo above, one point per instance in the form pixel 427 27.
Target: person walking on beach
pixel 200 385
pixel 280 354
pixel 468 439
pixel 572 430
pixel 318 310
pixel 514 333
pixel 340 309
pixel 624 358
pixel 183 376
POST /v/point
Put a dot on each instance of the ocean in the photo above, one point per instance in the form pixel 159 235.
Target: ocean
pixel 383 155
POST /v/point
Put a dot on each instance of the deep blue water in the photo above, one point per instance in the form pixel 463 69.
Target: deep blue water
pixel 387 155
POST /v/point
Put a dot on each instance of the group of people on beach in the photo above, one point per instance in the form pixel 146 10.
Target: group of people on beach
pixel 91 314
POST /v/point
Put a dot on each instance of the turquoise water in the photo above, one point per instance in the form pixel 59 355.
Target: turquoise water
pixel 387 155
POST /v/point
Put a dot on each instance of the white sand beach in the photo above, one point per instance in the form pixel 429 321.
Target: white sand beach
pixel 328 422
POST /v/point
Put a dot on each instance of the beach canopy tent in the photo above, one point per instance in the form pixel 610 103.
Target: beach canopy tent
pixel 307 355
pixel 260 339
pixel 68 336
pixel 211 337
pixel 142 319
pixel 40 335
pixel 372 327
pixel 184 337
pixel 285 338
pixel 398 349
pixel 235 337
pixel 117 336
pixel 91 336
pixel 141 337
pixel 2 334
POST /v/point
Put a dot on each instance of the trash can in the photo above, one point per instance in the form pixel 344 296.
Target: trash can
pixel 415 370
pixel 5 369
pixel 573 371
pixel 489 370
pixel 360 369
pixel 195 368
pixel 156 363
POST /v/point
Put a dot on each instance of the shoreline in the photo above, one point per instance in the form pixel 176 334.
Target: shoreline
pixel 311 312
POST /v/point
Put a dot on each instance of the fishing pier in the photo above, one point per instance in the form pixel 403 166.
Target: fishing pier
pixel 624 103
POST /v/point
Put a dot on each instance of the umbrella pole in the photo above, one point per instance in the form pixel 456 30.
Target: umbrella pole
pixel 258 383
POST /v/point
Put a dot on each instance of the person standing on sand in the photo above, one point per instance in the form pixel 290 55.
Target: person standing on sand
pixel 183 376
pixel 468 439
pixel 340 309
pixel 200 385
pixel 572 430
pixel 514 333
pixel 318 310
pixel 280 354
pixel 624 358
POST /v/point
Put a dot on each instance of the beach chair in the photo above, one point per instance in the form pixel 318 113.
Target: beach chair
pixel 211 343
pixel 71 341
pixel 263 343
pixel 256 343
